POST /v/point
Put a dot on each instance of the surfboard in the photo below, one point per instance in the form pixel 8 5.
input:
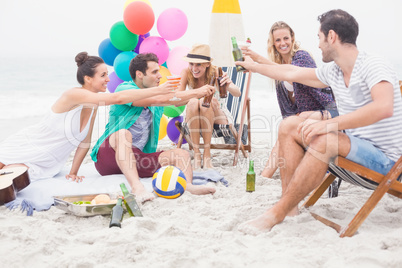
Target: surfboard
pixel 226 21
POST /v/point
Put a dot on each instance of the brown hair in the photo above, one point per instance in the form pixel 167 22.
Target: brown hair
pixel 140 63
pixel 86 66
pixel 209 73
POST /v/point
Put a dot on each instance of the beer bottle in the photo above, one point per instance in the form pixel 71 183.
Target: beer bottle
pixel 250 183
pixel 237 55
pixel 222 89
pixel 129 201
pixel 117 215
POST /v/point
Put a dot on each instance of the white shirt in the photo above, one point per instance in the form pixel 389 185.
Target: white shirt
pixel 368 70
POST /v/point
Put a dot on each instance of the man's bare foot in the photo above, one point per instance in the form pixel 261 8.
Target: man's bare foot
pixel 197 160
pixel 200 189
pixel 141 194
pixel 262 223
pixel 294 212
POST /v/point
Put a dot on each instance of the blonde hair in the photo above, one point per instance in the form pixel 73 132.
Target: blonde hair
pixel 273 54
pixel 209 73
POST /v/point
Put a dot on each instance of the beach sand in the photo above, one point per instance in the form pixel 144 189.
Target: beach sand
pixel 201 231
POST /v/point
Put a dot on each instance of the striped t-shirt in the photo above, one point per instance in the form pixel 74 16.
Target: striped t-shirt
pixel 368 70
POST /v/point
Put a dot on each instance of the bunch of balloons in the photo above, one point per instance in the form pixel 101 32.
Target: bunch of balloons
pixel 131 36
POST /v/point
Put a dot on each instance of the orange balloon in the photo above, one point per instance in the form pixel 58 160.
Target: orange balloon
pixel 164 72
pixel 138 17
pixel 163 127
pixel 130 1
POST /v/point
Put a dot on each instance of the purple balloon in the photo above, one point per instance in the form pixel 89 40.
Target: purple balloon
pixel 140 39
pixel 114 82
pixel 172 131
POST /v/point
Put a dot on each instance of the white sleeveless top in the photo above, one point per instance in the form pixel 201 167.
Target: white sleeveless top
pixel 46 146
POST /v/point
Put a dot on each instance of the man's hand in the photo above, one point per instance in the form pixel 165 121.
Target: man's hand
pixel 74 177
pixel 248 63
pixel 311 127
pixel 167 87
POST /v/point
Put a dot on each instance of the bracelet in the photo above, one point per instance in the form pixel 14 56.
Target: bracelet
pixel 322 115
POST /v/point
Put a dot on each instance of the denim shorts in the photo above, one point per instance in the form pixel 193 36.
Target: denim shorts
pixel 367 155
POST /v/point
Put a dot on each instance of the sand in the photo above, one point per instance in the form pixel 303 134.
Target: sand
pixel 201 231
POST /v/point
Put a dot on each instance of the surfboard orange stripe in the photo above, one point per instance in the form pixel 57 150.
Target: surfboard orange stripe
pixel 226 6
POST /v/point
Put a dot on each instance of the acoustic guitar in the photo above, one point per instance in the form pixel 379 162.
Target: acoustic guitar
pixel 12 180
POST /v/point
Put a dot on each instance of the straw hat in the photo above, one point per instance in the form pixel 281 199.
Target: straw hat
pixel 199 53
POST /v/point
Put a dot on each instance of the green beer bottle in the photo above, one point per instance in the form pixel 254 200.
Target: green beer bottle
pixel 237 55
pixel 250 183
pixel 129 200
pixel 117 214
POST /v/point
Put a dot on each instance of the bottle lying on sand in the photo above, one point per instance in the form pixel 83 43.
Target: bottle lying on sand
pixel 130 202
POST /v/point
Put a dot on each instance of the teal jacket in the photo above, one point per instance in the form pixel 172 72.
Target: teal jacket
pixel 124 116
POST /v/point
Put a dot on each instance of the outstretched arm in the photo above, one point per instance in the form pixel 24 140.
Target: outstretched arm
pixel 284 72
pixel 78 96
pixel 185 96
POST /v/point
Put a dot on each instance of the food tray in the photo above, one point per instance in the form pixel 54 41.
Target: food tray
pixel 66 203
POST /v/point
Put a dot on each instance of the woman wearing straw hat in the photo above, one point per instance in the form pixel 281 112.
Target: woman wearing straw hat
pixel 200 71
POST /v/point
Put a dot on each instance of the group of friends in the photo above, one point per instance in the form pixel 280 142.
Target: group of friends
pixel 363 124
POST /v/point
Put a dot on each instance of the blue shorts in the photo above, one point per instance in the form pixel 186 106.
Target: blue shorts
pixel 367 155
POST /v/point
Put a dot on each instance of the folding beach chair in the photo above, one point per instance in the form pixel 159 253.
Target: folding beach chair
pixel 364 177
pixel 238 107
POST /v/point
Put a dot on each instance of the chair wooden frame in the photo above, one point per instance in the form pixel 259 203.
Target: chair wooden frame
pixel 386 184
pixel 239 144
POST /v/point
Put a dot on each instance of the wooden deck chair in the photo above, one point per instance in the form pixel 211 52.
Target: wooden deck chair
pixel 239 107
pixel 362 176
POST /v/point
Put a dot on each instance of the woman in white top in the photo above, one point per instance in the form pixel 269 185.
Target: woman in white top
pixel 199 73
pixel 45 147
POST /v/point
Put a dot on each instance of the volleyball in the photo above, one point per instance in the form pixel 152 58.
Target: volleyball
pixel 169 182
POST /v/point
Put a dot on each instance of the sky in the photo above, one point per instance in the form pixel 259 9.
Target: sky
pixel 50 28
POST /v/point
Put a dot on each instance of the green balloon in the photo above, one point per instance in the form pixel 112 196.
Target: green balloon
pixel 173 111
pixel 122 38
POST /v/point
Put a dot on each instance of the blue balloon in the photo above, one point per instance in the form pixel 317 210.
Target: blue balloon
pixel 121 65
pixel 108 52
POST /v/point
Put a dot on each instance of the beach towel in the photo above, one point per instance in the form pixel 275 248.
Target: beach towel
pixel 38 195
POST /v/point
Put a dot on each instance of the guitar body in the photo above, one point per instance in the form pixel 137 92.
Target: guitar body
pixel 12 180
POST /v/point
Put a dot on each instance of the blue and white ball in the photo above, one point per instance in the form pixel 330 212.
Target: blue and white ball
pixel 169 182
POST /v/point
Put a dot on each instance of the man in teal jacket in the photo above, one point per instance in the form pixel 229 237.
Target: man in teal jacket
pixel 128 145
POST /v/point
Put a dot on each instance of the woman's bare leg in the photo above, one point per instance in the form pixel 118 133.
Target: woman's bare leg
pixel 272 163
pixel 207 121
pixel 193 122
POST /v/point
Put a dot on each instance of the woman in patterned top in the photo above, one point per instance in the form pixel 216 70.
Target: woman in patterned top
pixel 293 98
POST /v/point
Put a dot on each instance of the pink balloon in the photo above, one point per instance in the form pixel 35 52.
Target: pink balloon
pixel 156 45
pixel 172 24
pixel 175 62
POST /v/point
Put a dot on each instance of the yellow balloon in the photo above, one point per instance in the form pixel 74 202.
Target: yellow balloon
pixel 130 1
pixel 164 72
pixel 163 127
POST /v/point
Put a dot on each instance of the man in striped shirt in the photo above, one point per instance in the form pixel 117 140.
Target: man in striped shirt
pixel 368 129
